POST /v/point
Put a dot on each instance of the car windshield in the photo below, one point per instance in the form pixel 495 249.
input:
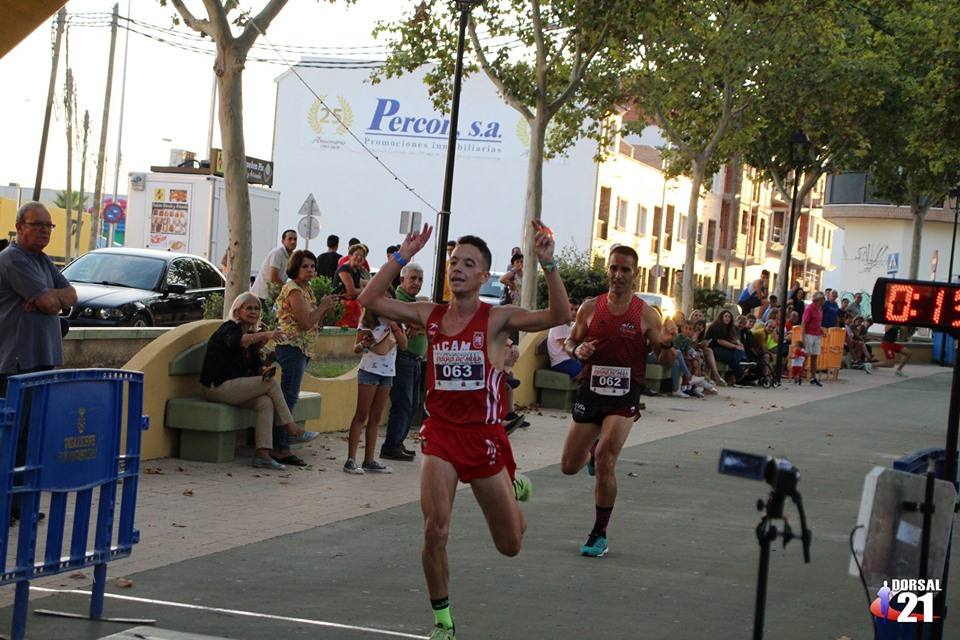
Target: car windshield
pixel 117 269
pixel 492 287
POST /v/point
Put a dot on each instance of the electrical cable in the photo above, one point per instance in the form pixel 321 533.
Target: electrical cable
pixel 863 580
pixel 344 125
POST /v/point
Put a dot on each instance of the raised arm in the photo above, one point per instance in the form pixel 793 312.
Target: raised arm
pixel 372 296
pixel 558 312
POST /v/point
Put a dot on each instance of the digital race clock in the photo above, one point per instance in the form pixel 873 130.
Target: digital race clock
pixel 916 303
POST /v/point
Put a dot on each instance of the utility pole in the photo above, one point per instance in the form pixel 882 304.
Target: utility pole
pixel 123 97
pixel 68 111
pixel 733 211
pixel 83 176
pixel 101 158
pixel 61 22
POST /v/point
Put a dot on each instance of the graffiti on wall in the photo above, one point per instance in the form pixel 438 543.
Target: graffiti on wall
pixel 869 257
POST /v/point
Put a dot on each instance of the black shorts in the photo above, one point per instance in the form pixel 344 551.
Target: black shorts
pixel 592 408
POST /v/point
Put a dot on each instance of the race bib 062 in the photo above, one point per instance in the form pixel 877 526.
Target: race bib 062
pixel 610 381
pixel 458 370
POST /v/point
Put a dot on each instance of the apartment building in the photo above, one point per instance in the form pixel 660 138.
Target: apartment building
pixel 739 234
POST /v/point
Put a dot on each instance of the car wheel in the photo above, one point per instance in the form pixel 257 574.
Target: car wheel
pixel 141 320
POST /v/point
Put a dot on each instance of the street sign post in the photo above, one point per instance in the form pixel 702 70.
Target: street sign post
pixel 309 226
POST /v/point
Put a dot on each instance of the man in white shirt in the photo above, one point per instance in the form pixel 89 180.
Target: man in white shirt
pixel 560 360
pixel 274 267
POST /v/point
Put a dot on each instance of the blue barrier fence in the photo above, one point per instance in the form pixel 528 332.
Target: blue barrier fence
pixel 72 436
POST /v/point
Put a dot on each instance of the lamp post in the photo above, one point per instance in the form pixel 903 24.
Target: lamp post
pixel 443 217
pixel 799 149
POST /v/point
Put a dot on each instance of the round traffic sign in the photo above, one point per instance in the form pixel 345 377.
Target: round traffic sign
pixel 113 213
pixel 309 227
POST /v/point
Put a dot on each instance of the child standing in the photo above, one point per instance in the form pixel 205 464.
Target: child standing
pixel 797 361
pixel 379 341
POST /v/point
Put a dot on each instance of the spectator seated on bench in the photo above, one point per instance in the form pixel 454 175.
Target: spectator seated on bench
pixel 238 392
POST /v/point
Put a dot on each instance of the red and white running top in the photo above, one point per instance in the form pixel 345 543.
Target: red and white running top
pixel 463 387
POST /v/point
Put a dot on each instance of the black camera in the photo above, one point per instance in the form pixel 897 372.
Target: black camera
pixel 779 473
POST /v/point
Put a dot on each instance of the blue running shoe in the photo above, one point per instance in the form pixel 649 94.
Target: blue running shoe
pixel 595 547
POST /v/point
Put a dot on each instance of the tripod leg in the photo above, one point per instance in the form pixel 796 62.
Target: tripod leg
pixel 765 532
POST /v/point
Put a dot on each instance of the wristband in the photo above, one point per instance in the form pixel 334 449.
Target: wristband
pixel 549 266
pixel 399 259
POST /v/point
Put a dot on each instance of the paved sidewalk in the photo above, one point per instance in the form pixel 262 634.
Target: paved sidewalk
pixel 191 509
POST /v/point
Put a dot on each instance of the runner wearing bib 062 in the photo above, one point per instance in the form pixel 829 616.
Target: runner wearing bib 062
pixel 612 376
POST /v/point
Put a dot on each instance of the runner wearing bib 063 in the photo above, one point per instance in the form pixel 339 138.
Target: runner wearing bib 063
pixel 611 337
pixel 463 438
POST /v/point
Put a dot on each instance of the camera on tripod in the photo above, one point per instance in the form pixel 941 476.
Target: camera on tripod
pixel 779 473
pixel 783 479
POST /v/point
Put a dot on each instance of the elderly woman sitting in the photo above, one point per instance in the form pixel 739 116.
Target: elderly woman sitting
pixel 233 373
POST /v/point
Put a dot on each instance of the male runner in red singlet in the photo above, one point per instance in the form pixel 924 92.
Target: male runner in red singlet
pixel 610 337
pixel 463 438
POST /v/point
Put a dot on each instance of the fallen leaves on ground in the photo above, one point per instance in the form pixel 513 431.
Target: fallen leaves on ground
pixel 633 474
pixel 188 492
pixel 178 526
pixel 123 583
pixel 153 471
pixel 78 575
pixel 829 435
pixel 671 420
pixel 181 469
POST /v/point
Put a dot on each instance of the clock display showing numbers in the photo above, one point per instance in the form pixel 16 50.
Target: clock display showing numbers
pixel 916 303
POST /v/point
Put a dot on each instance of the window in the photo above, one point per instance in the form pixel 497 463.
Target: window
pixel 700 233
pixel 829 239
pixel 181 272
pixel 743 222
pixel 682 229
pixel 603 213
pixel 763 231
pixel 641 220
pixel 209 278
pixel 622 214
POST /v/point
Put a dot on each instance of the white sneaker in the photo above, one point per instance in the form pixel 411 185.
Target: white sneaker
pixel 707 385
pixel 695 380
pixel 680 394
pixel 868 367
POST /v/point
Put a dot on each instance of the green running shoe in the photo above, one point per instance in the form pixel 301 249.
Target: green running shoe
pixel 595 547
pixel 442 633
pixel 522 487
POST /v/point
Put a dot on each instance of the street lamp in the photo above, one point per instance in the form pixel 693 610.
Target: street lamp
pixel 443 216
pixel 955 194
pixel 799 152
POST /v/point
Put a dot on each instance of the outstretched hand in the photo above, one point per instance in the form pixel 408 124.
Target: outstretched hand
pixel 543 242
pixel 415 241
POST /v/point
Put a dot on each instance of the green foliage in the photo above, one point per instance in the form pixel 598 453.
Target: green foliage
pixel 76 201
pixel 582 277
pixel 704 298
pixel 563 66
pixel 213 307
pixel 914 132
pixel 323 286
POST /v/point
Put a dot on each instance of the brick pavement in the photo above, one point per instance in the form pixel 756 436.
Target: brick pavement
pixel 232 504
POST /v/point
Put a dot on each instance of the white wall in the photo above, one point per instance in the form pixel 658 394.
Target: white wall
pixel 866 244
pixel 357 197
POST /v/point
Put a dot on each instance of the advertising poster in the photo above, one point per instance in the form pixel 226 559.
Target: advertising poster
pixel 169 218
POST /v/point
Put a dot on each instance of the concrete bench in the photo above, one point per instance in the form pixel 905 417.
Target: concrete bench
pixel 555 389
pixel 208 429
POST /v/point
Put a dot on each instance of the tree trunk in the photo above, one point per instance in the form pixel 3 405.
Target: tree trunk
pixel 230 73
pixel 690 260
pixel 534 205
pixel 919 207
pixel 83 175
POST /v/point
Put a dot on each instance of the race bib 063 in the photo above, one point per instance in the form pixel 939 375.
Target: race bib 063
pixel 610 381
pixel 458 370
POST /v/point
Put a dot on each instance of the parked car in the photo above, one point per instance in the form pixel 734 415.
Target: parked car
pixel 140 287
pixel 491 289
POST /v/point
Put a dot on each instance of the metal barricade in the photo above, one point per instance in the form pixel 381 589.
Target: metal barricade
pixel 72 435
